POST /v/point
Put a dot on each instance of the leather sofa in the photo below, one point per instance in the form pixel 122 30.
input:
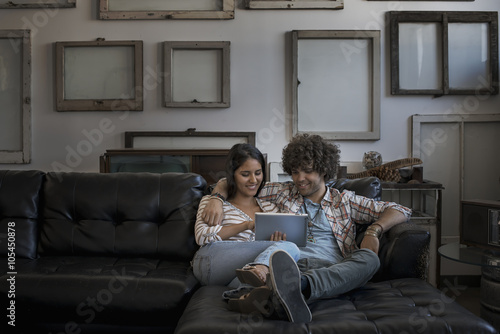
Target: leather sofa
pixel 110 253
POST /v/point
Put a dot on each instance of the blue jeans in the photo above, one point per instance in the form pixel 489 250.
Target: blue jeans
pixel 215 263
pixel 328 279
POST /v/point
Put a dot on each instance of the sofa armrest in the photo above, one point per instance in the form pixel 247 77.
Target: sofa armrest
pixel 404 252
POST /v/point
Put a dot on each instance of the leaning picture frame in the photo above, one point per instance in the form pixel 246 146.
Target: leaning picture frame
pixel 99 75
pixel 30 4
pixel 189 139
pixel 15 96
pixel 197 74
pixel 336 83
pixel 161 9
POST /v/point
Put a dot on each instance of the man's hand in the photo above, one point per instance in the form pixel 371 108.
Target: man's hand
pixel 277 236
pixel 213 212
pixel 371 243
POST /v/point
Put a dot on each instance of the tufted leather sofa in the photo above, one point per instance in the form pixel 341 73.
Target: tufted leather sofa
pixel 110 253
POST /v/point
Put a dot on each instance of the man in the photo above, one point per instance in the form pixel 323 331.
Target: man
pixel 331 263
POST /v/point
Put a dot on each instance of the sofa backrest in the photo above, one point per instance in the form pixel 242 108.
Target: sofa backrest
pixel 130 214
pixel 19 209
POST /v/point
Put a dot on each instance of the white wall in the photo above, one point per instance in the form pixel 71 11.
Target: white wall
pixel 260 68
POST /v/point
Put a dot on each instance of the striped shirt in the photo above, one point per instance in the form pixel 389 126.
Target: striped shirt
pixel 343 210
pixel 205 234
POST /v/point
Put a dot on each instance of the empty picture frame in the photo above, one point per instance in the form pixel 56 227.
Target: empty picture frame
pixel 197 74
pixel 444 53
pixel 336 83
pixel 295 4
pixel 166 9
pixel 187 140
pixel 28 4
pixel 15 96
pixel 99 76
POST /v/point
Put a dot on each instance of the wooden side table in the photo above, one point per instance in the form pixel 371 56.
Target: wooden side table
pixel 425 199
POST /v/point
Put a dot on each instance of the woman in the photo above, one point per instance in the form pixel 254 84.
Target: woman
pixel 225 247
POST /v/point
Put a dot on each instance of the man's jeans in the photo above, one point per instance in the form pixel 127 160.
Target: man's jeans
pixel 328 279
pixel 215 263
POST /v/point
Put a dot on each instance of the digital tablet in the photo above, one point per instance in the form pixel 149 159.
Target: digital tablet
pixel 295 226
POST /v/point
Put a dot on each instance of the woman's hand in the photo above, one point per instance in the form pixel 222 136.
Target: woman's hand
pixel 250 225
pixel 277 236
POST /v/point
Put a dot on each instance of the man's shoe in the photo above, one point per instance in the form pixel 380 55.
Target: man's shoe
pixel 285 281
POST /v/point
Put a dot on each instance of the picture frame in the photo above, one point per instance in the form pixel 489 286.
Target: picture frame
pixel 295 4
pixel 427 0
pixel 328 65
pixel 197 74
pixel 187 140
pixel 210 164
pixel 15 96
pixel 161 10
pixel 30 4
pixel 99 75
pixel 459 55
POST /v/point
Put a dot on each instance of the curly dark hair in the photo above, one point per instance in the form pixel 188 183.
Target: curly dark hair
pixel 237 156
pixel 306 150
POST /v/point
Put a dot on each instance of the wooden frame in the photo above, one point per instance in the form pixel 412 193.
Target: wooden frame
pixel 229 139
pixel 106 12
pixel 295 4
pixel 457 121
pixel 211 78
pixel 208 163
pixel 426 0
pixel 323 100
pixel 103 83
pixel 20 4
pixel 15 91
pixel 439 63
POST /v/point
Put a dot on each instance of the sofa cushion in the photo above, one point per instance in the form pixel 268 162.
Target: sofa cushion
pixel 397 306
pixel 19 206
pixel 102 290
pixel 126 214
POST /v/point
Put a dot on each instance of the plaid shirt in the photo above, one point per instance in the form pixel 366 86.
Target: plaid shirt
pixel 343 210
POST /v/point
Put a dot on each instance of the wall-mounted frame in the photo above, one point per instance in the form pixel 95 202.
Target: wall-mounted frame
pixel 29 4
pixel 15 96
pixel 336 83
pixel 99 76
pixel 426 0
pixel 197 74
pixel 170 9
pixel 444 53
pixel 295 4
pixel 187 140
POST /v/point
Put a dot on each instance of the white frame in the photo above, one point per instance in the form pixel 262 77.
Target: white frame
pixel 295 4
pixel 22 156
pixel 222 76
pixel 373 101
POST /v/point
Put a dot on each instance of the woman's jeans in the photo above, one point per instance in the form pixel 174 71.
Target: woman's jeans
pixel 215 263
